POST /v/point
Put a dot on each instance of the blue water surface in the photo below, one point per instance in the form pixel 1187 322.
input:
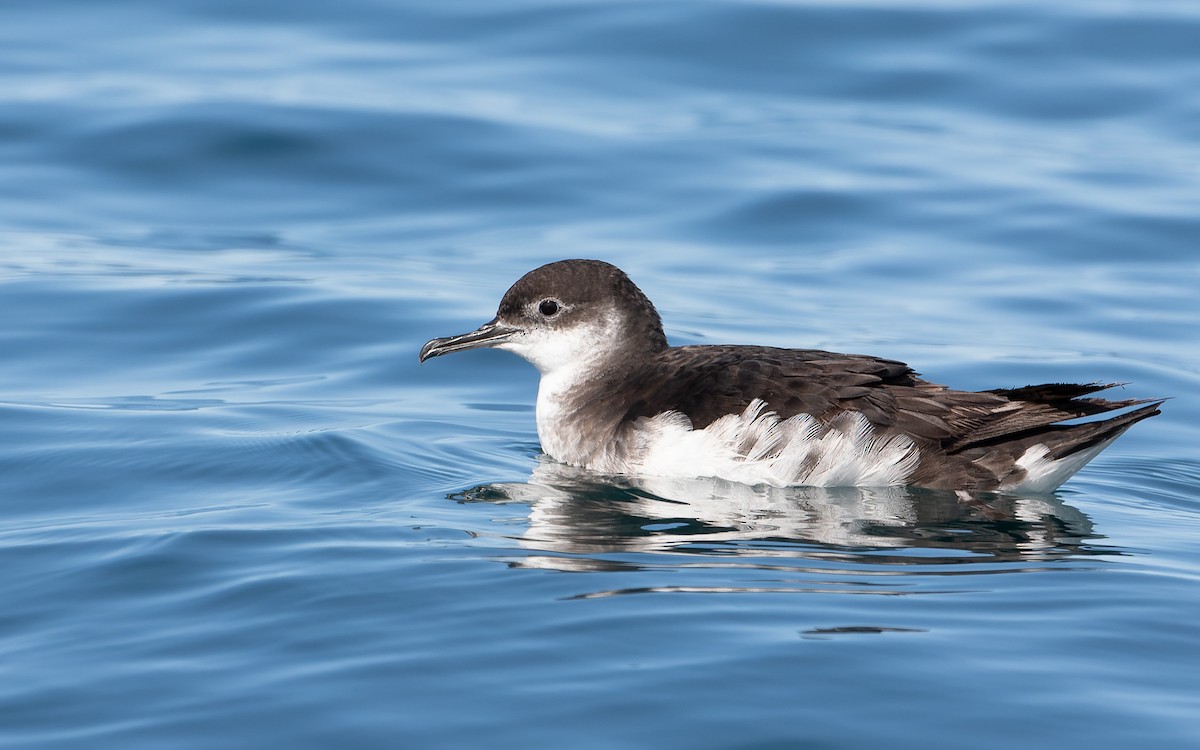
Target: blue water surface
pixel 236 512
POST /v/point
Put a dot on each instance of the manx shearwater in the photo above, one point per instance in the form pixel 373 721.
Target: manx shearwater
pixel 615 398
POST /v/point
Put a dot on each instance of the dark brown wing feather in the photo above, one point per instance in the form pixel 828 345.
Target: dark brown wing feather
pixel 707 382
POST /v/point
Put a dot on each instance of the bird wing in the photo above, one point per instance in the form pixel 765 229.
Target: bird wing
pixel 708 382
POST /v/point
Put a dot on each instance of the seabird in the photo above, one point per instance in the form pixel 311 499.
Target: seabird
pixel 615 398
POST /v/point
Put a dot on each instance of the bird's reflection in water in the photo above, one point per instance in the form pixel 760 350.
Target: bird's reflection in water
pixel 575 512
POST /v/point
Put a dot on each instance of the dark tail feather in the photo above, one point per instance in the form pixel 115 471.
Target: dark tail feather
pixel 1035 410
pixel 1079 437
pixel 1065 397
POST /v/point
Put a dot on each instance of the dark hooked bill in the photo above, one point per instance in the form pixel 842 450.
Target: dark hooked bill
pixel 487 335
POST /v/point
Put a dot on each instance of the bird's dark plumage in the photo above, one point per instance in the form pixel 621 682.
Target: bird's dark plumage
pixel 965 439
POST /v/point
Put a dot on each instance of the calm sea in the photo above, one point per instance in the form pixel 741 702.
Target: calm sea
pixel 235 513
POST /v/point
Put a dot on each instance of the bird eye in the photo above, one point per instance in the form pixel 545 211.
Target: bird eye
pixel 548 307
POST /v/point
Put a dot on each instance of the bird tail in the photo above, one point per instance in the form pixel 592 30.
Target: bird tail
pixel 1054 453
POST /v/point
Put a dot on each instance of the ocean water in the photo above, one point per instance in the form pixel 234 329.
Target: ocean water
pixel 236 513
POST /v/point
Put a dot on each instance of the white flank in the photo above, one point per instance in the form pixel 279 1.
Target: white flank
pixel 757 447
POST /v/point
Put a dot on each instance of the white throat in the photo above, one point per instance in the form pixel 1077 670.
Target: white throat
pixel 566 358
